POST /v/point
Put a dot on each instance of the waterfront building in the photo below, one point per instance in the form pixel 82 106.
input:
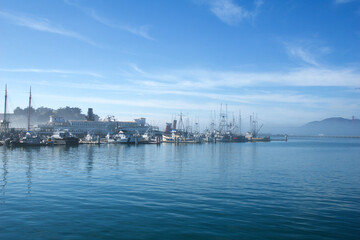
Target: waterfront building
pixel 82 127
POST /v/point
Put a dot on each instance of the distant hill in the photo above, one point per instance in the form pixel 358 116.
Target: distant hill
pixel 335 126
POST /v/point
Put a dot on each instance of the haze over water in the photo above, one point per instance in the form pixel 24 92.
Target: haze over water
pixel 300 189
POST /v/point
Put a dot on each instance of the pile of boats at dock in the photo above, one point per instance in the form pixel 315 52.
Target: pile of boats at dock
pixel 30 138
pixel 152 136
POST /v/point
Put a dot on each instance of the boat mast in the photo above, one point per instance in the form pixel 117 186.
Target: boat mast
pixel 226 119
pixel 29 110
pixel 239 121
pixel 5 107
pixel 4 126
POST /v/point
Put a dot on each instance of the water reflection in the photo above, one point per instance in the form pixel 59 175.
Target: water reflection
pixel 178 156
pixel 89 159
pixel 5 172
pixel 29 161
pixel 139 151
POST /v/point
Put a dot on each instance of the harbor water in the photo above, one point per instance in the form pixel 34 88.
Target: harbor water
pixel 306 188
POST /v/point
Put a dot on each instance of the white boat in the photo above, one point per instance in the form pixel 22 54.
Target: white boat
pixel 128 137
pixel 31 138
pixel 109 138
pixel 182 137
pixel 64 137
pixel 90 138
pixel 124 137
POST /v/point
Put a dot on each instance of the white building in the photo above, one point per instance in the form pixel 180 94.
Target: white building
pixel 82 127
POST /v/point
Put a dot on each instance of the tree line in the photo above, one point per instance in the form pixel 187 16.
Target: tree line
pixel 42 114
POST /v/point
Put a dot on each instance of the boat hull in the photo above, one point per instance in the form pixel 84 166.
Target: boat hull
pixel 66 141
pixel 14 143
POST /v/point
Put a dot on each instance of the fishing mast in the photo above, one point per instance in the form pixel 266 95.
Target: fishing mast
pixel 223 120
pixel 5 123
pixel 239 122
pixel 29 110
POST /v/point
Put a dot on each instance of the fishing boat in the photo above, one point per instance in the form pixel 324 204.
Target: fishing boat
pixel 238 138
pixel 109 138
pixel 181 137
pixel 64 137
pixel 29 139
pixel 253 134
pixel 90 138
pixel 128 137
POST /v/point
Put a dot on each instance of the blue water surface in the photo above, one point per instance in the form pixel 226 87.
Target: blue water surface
pixel 306 188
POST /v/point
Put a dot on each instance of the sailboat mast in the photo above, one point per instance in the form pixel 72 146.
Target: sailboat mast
pixel 29 110
pixel 5 107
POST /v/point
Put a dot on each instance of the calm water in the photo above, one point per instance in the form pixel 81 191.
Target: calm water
pixel 301 189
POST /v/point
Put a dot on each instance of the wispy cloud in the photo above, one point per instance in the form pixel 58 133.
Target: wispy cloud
pixel 144 103
pixel 342 1
pixel 36 70
pixel 212 79
pixel 214 84
pixel 202 90
pixel 204 80
pixel 141 31
pixel 44 25
pixel 303 54
pixel 307 50
pixel 231 13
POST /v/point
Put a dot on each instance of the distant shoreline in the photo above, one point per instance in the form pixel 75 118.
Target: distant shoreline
pixel 316 136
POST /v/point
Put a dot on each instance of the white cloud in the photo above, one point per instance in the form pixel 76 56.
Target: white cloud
pixel 36 70
pixel 44 25
pixel 342 1
pixel 200 91
pixel 141 31
pixel 205 80
pixel 211 79
pixel 303 54
pixel 308 51
pixel 212 85
pixel 244 98
pixel 145 103
pixel 230 12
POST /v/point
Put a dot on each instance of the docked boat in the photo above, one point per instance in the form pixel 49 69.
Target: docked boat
pixel 181 137
pixel 109 138
pixel 90 138
pixel 219 137
pixel 64 137
pixel 238 138
pixel 30 139
pixel 128 137
pixel 152 135
pixel 255 138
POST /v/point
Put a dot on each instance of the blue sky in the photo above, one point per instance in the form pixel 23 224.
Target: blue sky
pixel 288 61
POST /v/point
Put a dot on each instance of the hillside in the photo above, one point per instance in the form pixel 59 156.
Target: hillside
pixel 335 126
